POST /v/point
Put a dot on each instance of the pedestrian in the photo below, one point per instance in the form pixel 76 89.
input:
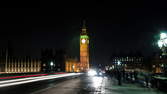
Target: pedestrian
pixel 131 76
pixel 123 74
pixel 127 76
pixel 119 77
pixel 146 79
pixel 135 76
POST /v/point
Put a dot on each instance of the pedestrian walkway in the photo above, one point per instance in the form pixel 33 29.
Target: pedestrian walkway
pixel 110 86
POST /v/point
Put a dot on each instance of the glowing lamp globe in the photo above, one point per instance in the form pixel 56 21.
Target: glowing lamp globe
pixel 163 35
pixel 165 40
pixel 119 63
pixel 51 63
pixel 160 43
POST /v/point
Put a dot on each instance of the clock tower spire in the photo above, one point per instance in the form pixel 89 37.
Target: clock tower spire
pixel 84 48
pixel 84 24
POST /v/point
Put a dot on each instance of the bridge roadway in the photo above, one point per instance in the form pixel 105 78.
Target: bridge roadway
pixel 81 84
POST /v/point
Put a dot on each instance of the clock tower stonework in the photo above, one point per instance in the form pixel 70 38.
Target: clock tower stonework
pixel 84 49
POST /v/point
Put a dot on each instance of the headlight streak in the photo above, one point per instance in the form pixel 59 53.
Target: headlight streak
pixel 97 81
pixel 34 79
pixel 12 77
pixel 92 72
pixel 23 77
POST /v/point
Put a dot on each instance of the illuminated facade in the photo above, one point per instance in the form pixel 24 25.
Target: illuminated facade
pixel 11 64
pixel 84 49
pixel 72 65
pixel 19 65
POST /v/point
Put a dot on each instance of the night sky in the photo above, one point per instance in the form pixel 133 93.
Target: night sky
pixel 113 26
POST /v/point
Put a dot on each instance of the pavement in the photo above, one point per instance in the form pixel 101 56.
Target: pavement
pixel 97 85
pixel 107 85
pixel 110 86
pixel 79 85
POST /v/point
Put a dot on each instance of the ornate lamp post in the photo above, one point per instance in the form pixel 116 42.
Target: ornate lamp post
pixel 51 66
pixel 162 43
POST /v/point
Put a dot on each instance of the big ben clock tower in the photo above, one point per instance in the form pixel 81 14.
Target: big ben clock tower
pixel 84 48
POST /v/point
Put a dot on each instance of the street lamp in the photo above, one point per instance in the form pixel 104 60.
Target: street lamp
pixel 163 35
pixel 162 43
pixel 118 63
pixel 51 64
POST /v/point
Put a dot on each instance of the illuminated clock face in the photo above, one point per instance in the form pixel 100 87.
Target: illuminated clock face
pixel 83 41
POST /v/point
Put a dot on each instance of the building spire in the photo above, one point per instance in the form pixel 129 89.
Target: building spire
pixel 83 30
pixel 84 24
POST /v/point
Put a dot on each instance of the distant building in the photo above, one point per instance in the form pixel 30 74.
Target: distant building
pixel 3 58
pixel 11 64
pixel 19 65
pixel 23 65
pixel 129 62
pixel 58 61
pixel 158 63
pixel 72 65
pixel 53 60
pixel 46 60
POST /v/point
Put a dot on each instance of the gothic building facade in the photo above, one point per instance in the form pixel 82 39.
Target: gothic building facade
pixel 13 64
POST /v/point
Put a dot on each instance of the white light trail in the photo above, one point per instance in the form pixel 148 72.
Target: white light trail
pixel 34 79
pixel 20 79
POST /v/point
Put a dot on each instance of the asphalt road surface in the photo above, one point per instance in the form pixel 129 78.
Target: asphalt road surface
pixel 79 85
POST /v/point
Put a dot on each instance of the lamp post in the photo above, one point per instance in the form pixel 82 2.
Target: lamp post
pixel 51 65
pixel 119 63
pixel 162 43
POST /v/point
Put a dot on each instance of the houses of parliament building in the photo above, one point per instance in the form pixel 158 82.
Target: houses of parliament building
pixel 13 64
pixel 49 61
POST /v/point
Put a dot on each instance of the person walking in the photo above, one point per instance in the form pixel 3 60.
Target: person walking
pixel 135 75
pixel 146 79
pixel 119 77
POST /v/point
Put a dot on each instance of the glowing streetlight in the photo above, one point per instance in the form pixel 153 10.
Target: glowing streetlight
pixel 165 41
pixel 163 35
pixel 160 43
pixel 119 63
pixel 51 63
